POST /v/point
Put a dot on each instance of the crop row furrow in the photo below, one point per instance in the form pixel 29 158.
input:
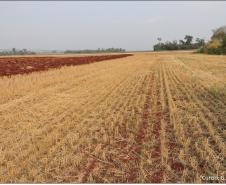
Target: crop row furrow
pixel 217 101
pixel 196 129
pixel 214 109
pixel 205 115
pixel 177 167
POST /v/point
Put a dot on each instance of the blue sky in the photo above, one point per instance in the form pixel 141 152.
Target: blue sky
pixel 90 25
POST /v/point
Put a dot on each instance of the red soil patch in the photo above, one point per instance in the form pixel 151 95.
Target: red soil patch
pixel 156 153
pixel 132 175
pixel 22 65
pixel 172 145
pixel 89 168
pixel 157 177
pixel 140 136
pixel 177 166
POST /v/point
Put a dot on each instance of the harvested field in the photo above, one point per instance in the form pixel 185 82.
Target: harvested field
pixel 20 65
pixel 149 117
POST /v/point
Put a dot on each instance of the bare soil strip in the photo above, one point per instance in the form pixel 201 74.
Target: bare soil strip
pixel 137 147
pixel 22 65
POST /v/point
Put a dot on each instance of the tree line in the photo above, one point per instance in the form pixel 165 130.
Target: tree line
pixel 15 51
pixel 185 44
pixel 99 50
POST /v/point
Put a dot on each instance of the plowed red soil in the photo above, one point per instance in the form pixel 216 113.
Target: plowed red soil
pixel 21 65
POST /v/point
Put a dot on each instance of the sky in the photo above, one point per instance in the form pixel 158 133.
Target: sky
pixel 131 25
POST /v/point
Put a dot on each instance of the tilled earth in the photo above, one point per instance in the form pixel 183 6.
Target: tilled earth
pixel 20 65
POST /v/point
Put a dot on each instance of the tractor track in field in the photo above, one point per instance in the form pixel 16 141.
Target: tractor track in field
pixel 157 174
pixel 22 65
pixel 181 136
pixel 174 165
pixel 136 148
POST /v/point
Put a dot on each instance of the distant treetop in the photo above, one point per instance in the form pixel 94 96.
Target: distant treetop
pixel 99 50
pixel 15 51
pixel 185 44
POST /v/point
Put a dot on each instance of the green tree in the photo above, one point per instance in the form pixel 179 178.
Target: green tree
pixel 14 50
pixel 224 45
pixel 181 42
pixel 159 39
pixel 200 42
pixel 188 39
